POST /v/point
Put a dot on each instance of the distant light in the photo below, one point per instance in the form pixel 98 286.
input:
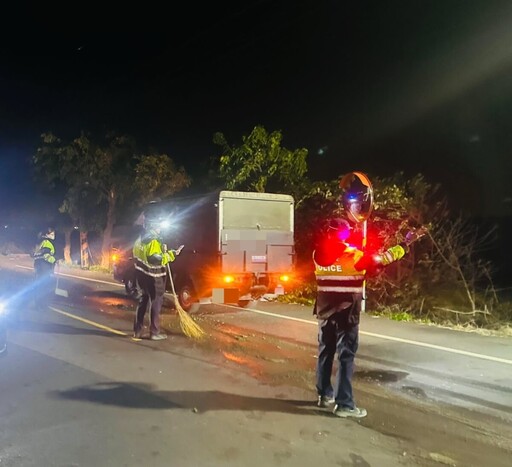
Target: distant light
pixel 322 150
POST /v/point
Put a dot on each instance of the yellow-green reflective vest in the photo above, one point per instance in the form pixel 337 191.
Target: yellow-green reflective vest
pixel 45 252
pixel 143 250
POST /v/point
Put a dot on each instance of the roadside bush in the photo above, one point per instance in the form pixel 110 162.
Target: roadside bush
pixel 303 294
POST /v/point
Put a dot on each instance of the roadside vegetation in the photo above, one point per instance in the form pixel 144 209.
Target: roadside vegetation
pixel 445 279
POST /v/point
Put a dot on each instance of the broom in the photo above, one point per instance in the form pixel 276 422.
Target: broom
pixel 189 327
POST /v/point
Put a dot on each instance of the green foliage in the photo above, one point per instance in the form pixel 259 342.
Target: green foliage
pixel 98 176
pixel 158 177
pixel 442 279
pixel 303 294
pixel 94 174
pixel 261 164
pixel 401 316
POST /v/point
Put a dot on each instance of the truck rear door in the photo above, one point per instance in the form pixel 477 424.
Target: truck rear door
pixel 256 232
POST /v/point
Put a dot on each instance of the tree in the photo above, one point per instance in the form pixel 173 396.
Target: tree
pixel 261 164
pixel 99 175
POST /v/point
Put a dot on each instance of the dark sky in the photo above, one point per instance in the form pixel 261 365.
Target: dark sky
pixel 413 85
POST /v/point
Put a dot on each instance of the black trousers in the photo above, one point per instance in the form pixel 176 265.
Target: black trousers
pixel 152 298
pixel 44 286
pixel 338 335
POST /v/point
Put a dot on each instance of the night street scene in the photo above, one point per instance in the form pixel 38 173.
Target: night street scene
pixel 256 233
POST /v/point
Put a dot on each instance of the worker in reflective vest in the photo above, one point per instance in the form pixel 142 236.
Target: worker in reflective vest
pixel 150 259
pixel 44 266
pixel 340 270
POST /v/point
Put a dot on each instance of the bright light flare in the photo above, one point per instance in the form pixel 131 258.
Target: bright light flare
pixel 165 224
pixel 229 279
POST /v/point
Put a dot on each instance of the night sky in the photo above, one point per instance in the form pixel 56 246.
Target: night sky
pixel 419 86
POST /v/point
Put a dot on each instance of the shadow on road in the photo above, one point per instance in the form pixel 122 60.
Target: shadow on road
pixel 143 396
pixel 54 328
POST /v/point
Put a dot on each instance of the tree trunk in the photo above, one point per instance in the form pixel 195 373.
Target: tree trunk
pixel 84 250
pixel 67 246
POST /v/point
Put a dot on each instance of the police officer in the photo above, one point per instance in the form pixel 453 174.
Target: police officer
pixel 150 260
pixel 340 270
pixel 44 265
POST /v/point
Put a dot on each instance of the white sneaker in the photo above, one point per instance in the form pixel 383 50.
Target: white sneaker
pixel 158 337
pixel 325 401
pixel 346 412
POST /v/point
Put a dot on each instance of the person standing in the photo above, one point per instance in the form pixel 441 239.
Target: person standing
pixel 340 270
pixel 150 259
pixel 44 266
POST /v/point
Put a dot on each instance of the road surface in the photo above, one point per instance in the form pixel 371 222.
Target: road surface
pixel 76 390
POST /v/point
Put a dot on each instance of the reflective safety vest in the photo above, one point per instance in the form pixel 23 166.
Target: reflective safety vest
pixel 341 276
pixel 45 252
pixel 146 247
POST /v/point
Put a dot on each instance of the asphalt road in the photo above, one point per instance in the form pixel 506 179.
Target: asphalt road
pixel 76 390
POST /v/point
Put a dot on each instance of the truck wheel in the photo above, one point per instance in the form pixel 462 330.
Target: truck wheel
pixel 247 303
pixel 187 298
pixel 130 286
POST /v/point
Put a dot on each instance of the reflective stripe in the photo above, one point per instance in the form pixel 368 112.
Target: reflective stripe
pixel 393 254
pixel 153 271
pixel 324 288
pixel 339 277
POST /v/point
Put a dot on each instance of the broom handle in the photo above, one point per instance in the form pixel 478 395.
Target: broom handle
pixel 170 278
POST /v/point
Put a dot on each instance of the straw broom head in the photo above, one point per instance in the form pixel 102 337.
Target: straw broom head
pixel 189 327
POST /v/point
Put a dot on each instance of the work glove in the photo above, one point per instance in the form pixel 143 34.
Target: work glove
pixel 178 251
pixel 415 234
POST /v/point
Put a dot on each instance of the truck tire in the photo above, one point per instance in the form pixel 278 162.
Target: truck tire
pixel 130 285
pixel 247 303
pixel 187 297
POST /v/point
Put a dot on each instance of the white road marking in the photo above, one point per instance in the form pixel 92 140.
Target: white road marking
pixel 77 277
pixel 391 338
